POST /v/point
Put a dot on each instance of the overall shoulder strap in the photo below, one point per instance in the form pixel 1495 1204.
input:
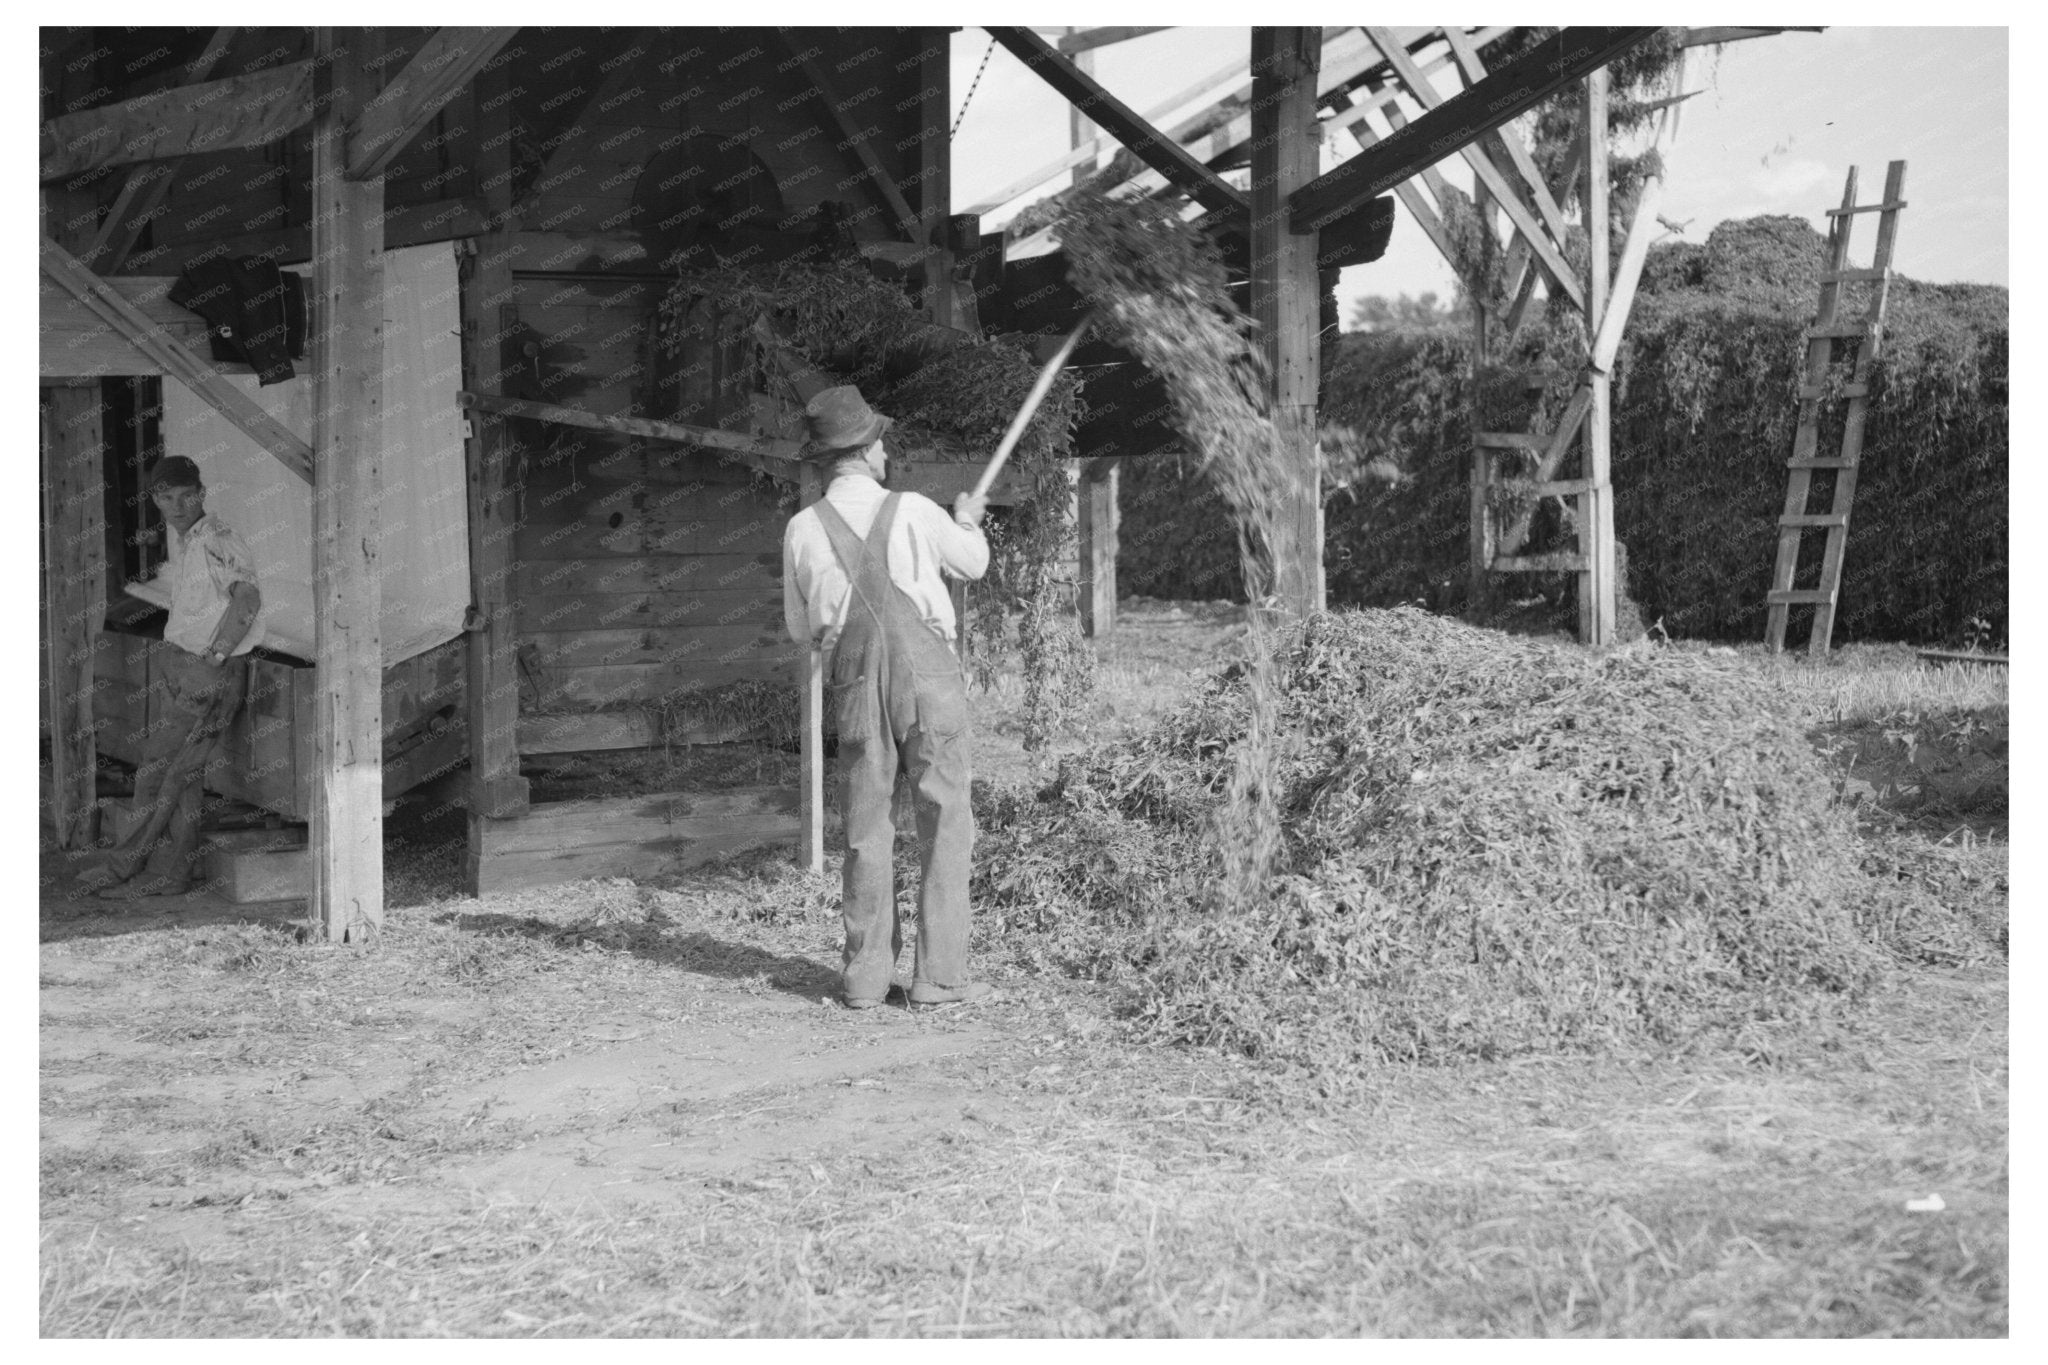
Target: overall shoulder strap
pixel 845 544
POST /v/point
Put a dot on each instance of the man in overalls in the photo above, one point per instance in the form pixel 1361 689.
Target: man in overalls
pixel 861 580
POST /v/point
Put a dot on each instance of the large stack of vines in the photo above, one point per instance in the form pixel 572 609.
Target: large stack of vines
pixel 1705 410
pixel 952 397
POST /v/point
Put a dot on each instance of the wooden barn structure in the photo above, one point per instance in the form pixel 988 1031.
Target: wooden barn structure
pixel 590 497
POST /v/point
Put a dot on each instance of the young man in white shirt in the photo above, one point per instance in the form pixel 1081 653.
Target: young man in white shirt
pixel 215 603
pixel 863 580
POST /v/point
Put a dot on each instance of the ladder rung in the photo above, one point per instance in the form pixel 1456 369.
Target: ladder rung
pixel 1840 329
pixel 1888 206
pixel 1795 596
pixel 1554 563
pixel 1821 462
pixel 1865 273
pixel 1509 440
pixel 1847 391
pixel 1559 488
pixel 1815 519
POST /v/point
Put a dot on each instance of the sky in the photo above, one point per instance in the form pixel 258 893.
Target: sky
pixel 1774 127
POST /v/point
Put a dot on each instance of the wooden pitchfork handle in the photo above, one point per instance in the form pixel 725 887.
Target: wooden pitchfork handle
pixel 1031 402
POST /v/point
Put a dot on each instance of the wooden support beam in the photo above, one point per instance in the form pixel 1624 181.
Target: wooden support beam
pixel 855 140
pixel 1568 425
pixel 1077 41
pixel 446 63
pixel 1487 175
pixel 1346 54
pixel 935 172
pixel 347 345
pixel 176 359
pixel 1286 291
pixel 74 587
pixel 1596 522
pixel 777 458
pixel 1159 152
pixel 212 116
pixel 1702 37
pixel 74 342
pixel 1628 274
pixel 1217 84
pixel 1509 91
pixel 437 220
pixel 72 591
pixel 1521 269
pixel 1538 193
pixel 490 322
pixel 1418 205
pixel 144 190
pixel 1097 527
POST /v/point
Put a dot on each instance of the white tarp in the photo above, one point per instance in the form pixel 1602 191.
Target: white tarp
pixel 424 546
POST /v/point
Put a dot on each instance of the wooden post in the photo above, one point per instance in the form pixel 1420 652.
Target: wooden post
pixel 74 541
pixel 810 842
pixel 1285 291
pixel 1596 505
pixel 1097 496
pixel 934 172
pixel 74 599
pixel 347 362
pixel 490 315
pixel 1480 536
pixel 1079 128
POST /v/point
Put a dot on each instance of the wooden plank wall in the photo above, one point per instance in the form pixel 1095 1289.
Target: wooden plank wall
pixel 644 570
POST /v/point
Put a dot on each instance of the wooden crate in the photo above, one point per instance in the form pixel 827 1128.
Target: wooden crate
pixel 259 865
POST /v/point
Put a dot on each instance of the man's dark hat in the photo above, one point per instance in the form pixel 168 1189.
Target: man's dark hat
pixel 174 471
pixel 838 420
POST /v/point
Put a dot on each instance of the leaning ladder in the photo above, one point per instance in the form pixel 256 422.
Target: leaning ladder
pixel 1868 333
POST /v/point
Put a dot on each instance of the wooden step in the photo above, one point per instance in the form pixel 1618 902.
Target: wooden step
pixel 1509 440
pixel 1815 519
pixel 1831 276
pixel 1795 596
pixel 1847 391
pixel 1821 462
pixel 1550 563
pixel 1840 329
pixel 1560 488
pixel 1888 206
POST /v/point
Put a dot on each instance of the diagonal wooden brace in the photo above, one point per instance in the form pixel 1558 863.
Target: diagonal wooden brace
pixel 177 360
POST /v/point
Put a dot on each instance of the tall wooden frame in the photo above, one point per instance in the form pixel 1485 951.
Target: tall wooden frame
pixel 347 353
pixel 490 316
pixel 1285 292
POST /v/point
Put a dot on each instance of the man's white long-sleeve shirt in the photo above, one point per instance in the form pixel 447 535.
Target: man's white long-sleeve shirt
pixel 924 544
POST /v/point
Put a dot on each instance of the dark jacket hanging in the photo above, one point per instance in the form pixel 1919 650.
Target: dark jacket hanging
pixel 255 313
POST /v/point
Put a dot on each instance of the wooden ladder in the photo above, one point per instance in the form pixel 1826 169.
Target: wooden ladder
pixel 1868 334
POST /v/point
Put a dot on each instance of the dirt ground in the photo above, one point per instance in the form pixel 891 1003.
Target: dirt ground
pixel 638 1110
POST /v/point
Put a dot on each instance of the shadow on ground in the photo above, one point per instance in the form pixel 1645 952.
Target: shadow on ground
pixel 655 940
